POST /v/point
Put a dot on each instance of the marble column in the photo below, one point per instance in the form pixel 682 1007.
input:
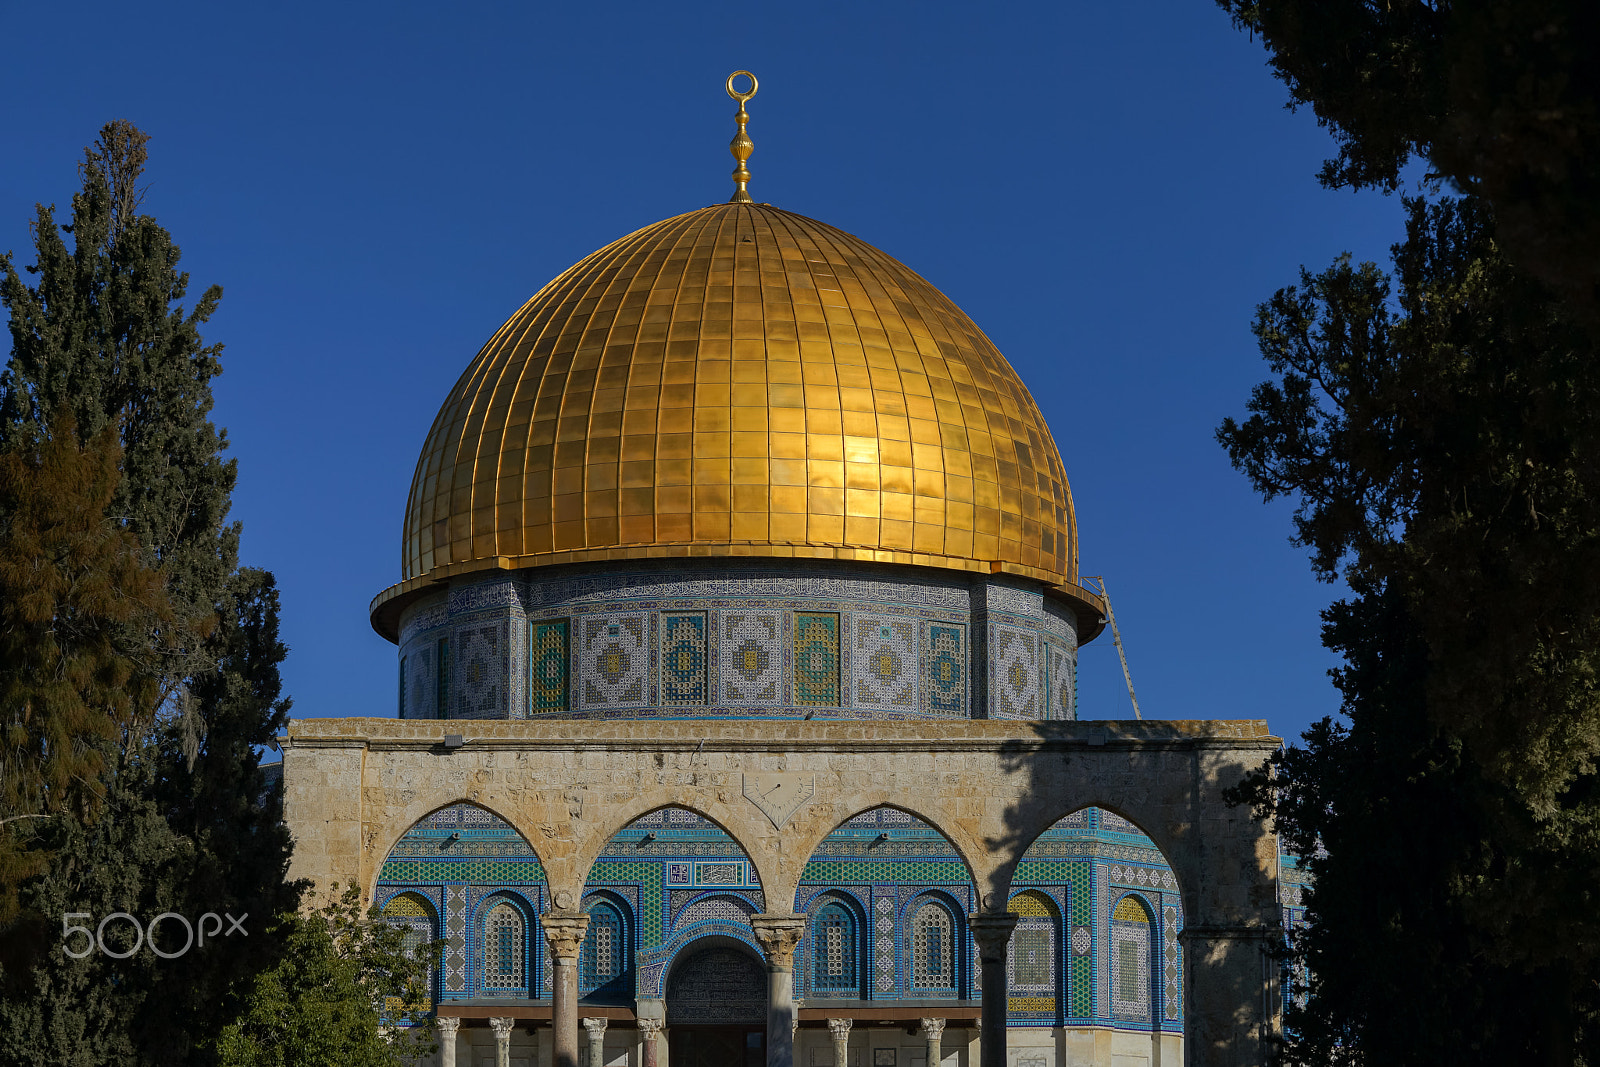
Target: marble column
pixel 839 1030
pixel 649 1030
pixel 933 1033
pixel 992 931
pixel 502 1040
pixel 778 935
pixel 597 1041
pixel 564 930
pixel 447 1025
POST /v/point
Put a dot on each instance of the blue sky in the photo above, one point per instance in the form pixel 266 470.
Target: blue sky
pixel 1107 189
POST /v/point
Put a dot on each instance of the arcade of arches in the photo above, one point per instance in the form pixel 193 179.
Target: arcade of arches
pixel 1087 877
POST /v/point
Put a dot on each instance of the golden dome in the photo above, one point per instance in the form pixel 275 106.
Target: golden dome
pixel 739 381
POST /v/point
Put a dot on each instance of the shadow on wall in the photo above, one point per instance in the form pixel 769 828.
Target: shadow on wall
pixel 1224 911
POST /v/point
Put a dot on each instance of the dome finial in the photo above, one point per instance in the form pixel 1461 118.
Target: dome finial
pixel 741 146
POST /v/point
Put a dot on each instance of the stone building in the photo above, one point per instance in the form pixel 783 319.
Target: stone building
pixel 737 644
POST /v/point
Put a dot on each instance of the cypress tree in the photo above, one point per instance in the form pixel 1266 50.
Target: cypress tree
pixel 188 823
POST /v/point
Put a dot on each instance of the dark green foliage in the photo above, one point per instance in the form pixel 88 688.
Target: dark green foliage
pixel 104 335
pixel 189 825
pixel 1500 96
pixel 321 1004
pixel 1441 431
pixel 72 584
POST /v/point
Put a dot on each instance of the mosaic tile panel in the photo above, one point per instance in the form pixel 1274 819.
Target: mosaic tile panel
pixel 750 660
pixel 1130 962
pixel 884 662
pixel 442 687
pixel 614 661
pixel 944 671
pixel 685 659
pixel 720 873
pixel 547 666
pixel 480 671
pixel 1031 957
pixel 715 909
pixel 883 945
pixel 455 933
pixel 461 844
pixel 816 659
pixel 419 683
pixel 1171 967
pixel 1102 911
pixel 1014 662
pixel 1063 686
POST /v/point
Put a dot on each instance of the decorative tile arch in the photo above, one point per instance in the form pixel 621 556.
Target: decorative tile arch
pixel 833 957
pixel 1135 944
pixel 934 945
pixel 419 916
pixel 505 933
pixel 1033 960
pixel 606 958
pixel 452 856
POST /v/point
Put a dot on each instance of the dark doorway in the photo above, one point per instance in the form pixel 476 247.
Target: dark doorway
pixel 716 1046
pixel 717 1007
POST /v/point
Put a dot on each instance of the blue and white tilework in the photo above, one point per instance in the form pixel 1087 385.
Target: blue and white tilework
pixel 944 681
pixel 685 659
pixel 614 664
pixel 752 657
pixel 685 647
pixel 886 660
pixel 480 671
pixel 1014 672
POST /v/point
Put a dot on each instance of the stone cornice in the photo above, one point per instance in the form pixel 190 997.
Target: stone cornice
pixel 758 735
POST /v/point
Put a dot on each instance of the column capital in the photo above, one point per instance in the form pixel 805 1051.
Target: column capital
pixel 502 1026
pixel 992 931
pixel 932 1027
pixel 649 1028
pixel 447 1024
pixel 839 1028
pixel 595 1025
pixel 564 930
pixel 778 936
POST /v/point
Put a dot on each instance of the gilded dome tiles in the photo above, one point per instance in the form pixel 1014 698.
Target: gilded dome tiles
pixel 740 380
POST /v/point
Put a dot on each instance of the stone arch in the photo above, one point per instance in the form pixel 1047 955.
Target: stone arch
pixel 622 817
pixel 963 848
pixel 408 824
pixel 843 861
pixel 805 836
pixel 1086 862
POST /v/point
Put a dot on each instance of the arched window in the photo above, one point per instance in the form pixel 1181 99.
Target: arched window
pixel 933 948
pixel 505 952
pixel 604 956
pixel 1132 935
pixel 1031 956
pixel 415 914
pixel 833 950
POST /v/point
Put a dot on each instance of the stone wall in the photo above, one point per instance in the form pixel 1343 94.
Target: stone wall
pixel 353 786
